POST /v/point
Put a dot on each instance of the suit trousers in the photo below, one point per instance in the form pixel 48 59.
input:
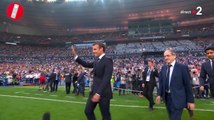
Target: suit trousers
pixel 81 89
pixel 104 105
pixel 68 87
pixel 174 113
pixel 148 93
pixel 52 86
pixel 56 82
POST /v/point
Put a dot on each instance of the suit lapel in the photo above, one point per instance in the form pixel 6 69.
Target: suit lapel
pixel 209 68
pixel 146 70
pixel 102 58
pixel 173 72
pixel 165 76
pixel 96 63
pixel 209 64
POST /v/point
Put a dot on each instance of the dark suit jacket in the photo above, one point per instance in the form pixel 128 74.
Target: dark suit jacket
pixel 75 78
pixel 102 76
pixel 152 76
pixel 180 86
pixel 206 70
pixel 81 78
pixel 52 77
pixel 68 77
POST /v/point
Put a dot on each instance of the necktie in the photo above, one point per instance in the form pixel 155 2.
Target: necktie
pixel 148 75
pixel 167 85
pixel 98 59
pixel 149 72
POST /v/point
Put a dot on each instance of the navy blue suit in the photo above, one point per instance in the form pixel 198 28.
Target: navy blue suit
pixel 180 90
pixel 101 85
pixel 52 80
pixel 81 82
pixel 68 81
pixel 207 70
pixel 149 86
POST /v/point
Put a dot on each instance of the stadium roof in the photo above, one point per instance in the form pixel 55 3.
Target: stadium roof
pixel 42 16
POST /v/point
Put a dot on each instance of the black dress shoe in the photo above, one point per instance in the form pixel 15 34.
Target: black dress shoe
pixel 46 116
pixel 150 109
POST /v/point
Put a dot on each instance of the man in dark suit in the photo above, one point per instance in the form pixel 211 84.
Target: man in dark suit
pixel 175 87
pixel 149 82
pixel 75 78
pixel 207 70
pixel 57 79
pixel 68 81
pixel 101 89
pixel 52 80
pixel 81 82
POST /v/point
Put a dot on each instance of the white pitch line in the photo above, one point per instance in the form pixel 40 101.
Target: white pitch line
pixel 69 97
pixel 46 99
pixel 131 101
pixel 210 103
pixel 18 92
pixel 115 105
pixel 54 95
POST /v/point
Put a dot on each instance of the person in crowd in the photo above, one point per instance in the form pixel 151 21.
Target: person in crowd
pixel 57 79
pixel 139 81
pixel 42 81
pixel 75 78
pixel 112 82
pixel 68 80
pixel 129 82
pixel 149 82
pixel 195 83
pixel 52 80
pixel 123 81
pixel 81 82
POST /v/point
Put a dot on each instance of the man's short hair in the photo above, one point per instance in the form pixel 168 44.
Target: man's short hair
pixel 171 50
pixel 211 47
pixel 101 45
pixel 150 60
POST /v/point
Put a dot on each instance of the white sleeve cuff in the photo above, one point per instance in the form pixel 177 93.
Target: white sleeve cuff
pixel 97 94
pixel 75 58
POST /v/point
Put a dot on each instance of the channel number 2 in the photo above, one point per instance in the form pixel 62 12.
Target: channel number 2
pixel 199 10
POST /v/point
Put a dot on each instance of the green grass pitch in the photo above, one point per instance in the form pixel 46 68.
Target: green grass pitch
pixel 28 103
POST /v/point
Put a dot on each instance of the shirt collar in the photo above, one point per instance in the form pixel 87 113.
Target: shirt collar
pixel 101 56
pixel 173 63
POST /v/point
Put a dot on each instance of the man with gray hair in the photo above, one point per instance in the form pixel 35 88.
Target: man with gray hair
pixel 175 87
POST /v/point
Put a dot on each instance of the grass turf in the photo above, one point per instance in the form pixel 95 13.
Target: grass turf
pixel 28 103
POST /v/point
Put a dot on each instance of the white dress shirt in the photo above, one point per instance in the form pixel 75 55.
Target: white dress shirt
pixel 170 72
pixel 211 63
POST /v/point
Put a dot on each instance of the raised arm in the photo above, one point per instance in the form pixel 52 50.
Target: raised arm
pixel 80 61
